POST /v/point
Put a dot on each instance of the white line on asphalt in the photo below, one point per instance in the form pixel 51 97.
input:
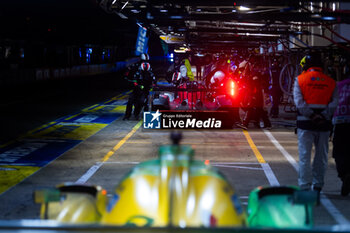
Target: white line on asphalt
pixel 232 166
pixel 266 167
pixel 283 151
pixel 234 163
pixel 92 170
pixel 332 210
pixel 270 175
pixel 88 174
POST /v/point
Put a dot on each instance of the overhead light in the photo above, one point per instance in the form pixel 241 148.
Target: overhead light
pixel 328 18
pixel 163 10
pixel 257 34
pixel 181 50
pixel 243 8
pixel 234 11
pixel 126 3
pixel 176 17
pixel 247 24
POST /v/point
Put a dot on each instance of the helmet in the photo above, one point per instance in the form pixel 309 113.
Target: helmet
pixel 311 60
pixel 144 57
pixel 145 66
pixel 303 61
pixel 217 77
pixel 183 71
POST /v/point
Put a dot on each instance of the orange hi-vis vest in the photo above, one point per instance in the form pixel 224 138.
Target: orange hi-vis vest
pixel 317 88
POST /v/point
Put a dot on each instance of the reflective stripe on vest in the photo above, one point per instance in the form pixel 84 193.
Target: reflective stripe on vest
pixel 317 88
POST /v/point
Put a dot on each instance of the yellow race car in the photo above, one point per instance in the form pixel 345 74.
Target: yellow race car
pixel 173 190
pixel 177 191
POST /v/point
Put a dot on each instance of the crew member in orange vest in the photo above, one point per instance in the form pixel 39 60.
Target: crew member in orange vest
pixel 316 98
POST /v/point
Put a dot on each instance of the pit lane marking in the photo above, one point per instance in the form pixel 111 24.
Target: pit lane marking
pixel 328 205
pixel 216 164
pixel 266 167
pixel 84 178
pixel 27 169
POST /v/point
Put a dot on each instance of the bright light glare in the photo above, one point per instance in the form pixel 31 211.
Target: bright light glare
pixel 232 88
pixel 143 192
pixel 243 8
pixel 191 204
pixel 207 200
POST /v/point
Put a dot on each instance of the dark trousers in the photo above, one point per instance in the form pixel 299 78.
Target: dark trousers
pixel 257 114
pixel 136 99
pixel 341 152
pixel 276 99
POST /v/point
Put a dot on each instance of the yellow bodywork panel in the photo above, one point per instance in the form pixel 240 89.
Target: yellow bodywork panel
pixel 171 191
pixel 197 201
pixel 175 191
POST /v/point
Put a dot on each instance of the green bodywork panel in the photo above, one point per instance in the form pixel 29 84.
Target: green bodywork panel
pixel 171 155
pixel 282 207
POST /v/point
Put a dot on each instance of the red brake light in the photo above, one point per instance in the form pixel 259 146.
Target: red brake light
pixel 232 86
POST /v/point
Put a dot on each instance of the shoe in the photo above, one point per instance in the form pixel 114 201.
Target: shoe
pixel 267 127
pixel 125 118
pixel 345 188
pixel 242 126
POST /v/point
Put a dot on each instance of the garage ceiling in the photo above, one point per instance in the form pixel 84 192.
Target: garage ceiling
pixel 220 24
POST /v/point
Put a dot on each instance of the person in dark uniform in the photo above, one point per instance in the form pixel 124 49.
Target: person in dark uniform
pixel 142 79
pixel 341 121
pixel 254 101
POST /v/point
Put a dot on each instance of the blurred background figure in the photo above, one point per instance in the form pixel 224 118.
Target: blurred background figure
pixel 341 121
pixel 255 104
pixel 275 91
pixel 142 79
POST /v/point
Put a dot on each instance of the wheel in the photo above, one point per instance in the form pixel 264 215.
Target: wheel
pixel 287 76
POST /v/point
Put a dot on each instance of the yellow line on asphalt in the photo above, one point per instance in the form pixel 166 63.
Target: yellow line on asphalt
pixel 111 152
pixel 254 148
pixel 71 117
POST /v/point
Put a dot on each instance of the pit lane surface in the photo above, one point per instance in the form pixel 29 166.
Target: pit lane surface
pixel 96 147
